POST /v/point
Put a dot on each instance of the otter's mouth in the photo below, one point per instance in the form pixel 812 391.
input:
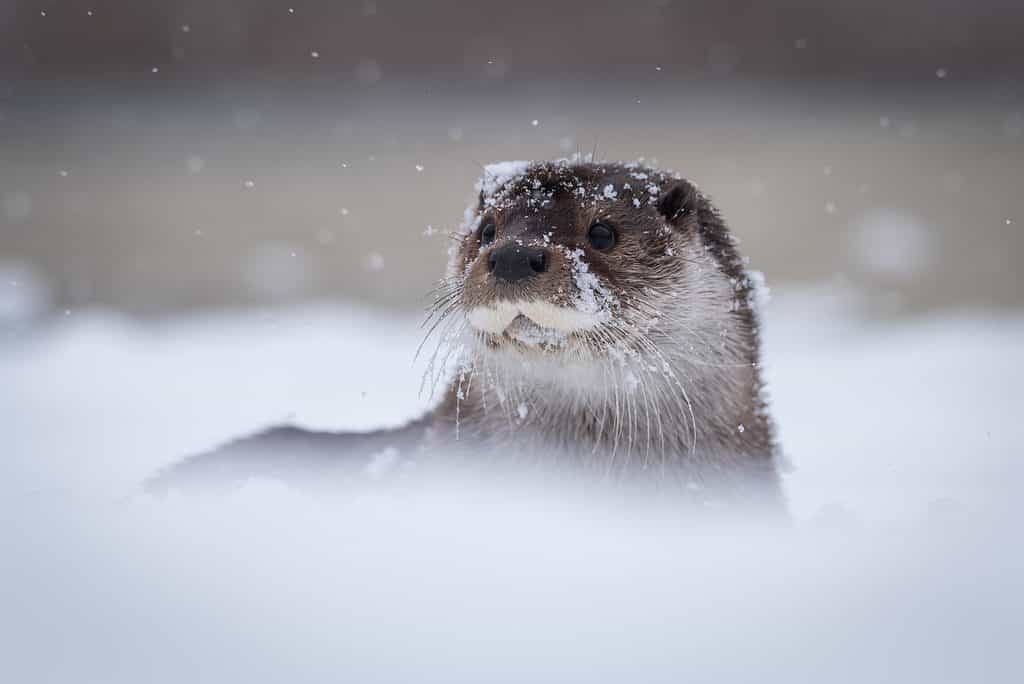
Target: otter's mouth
pixel 525 331
pixel 534 323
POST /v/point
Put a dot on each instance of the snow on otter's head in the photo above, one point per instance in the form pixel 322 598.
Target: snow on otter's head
pixel 578 260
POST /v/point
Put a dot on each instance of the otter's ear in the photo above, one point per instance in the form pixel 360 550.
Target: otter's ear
pixel 678 199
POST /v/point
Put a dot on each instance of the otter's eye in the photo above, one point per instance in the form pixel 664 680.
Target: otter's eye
pixel 601 236
pixel 487 233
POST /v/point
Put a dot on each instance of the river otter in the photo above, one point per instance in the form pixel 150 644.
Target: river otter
pixel 595 315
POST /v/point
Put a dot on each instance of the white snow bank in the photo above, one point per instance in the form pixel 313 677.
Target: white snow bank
pixel 904 563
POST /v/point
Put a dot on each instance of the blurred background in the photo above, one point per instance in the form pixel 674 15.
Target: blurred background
pixel 187 156
pixel 219 215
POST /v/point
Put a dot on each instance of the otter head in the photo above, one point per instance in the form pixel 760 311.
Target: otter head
pixel 561 263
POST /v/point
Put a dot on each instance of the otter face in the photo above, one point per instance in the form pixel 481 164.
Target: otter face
pixel 571 258
pixel 587 298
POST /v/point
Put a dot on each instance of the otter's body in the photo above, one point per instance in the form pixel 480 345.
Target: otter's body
pixel 596 316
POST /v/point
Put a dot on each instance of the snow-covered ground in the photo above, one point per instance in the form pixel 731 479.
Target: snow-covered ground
pixel 904 562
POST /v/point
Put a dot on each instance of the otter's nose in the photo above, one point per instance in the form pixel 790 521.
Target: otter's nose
pixel 515 262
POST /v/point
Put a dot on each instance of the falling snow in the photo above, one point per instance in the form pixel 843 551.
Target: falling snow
pixel 374 262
